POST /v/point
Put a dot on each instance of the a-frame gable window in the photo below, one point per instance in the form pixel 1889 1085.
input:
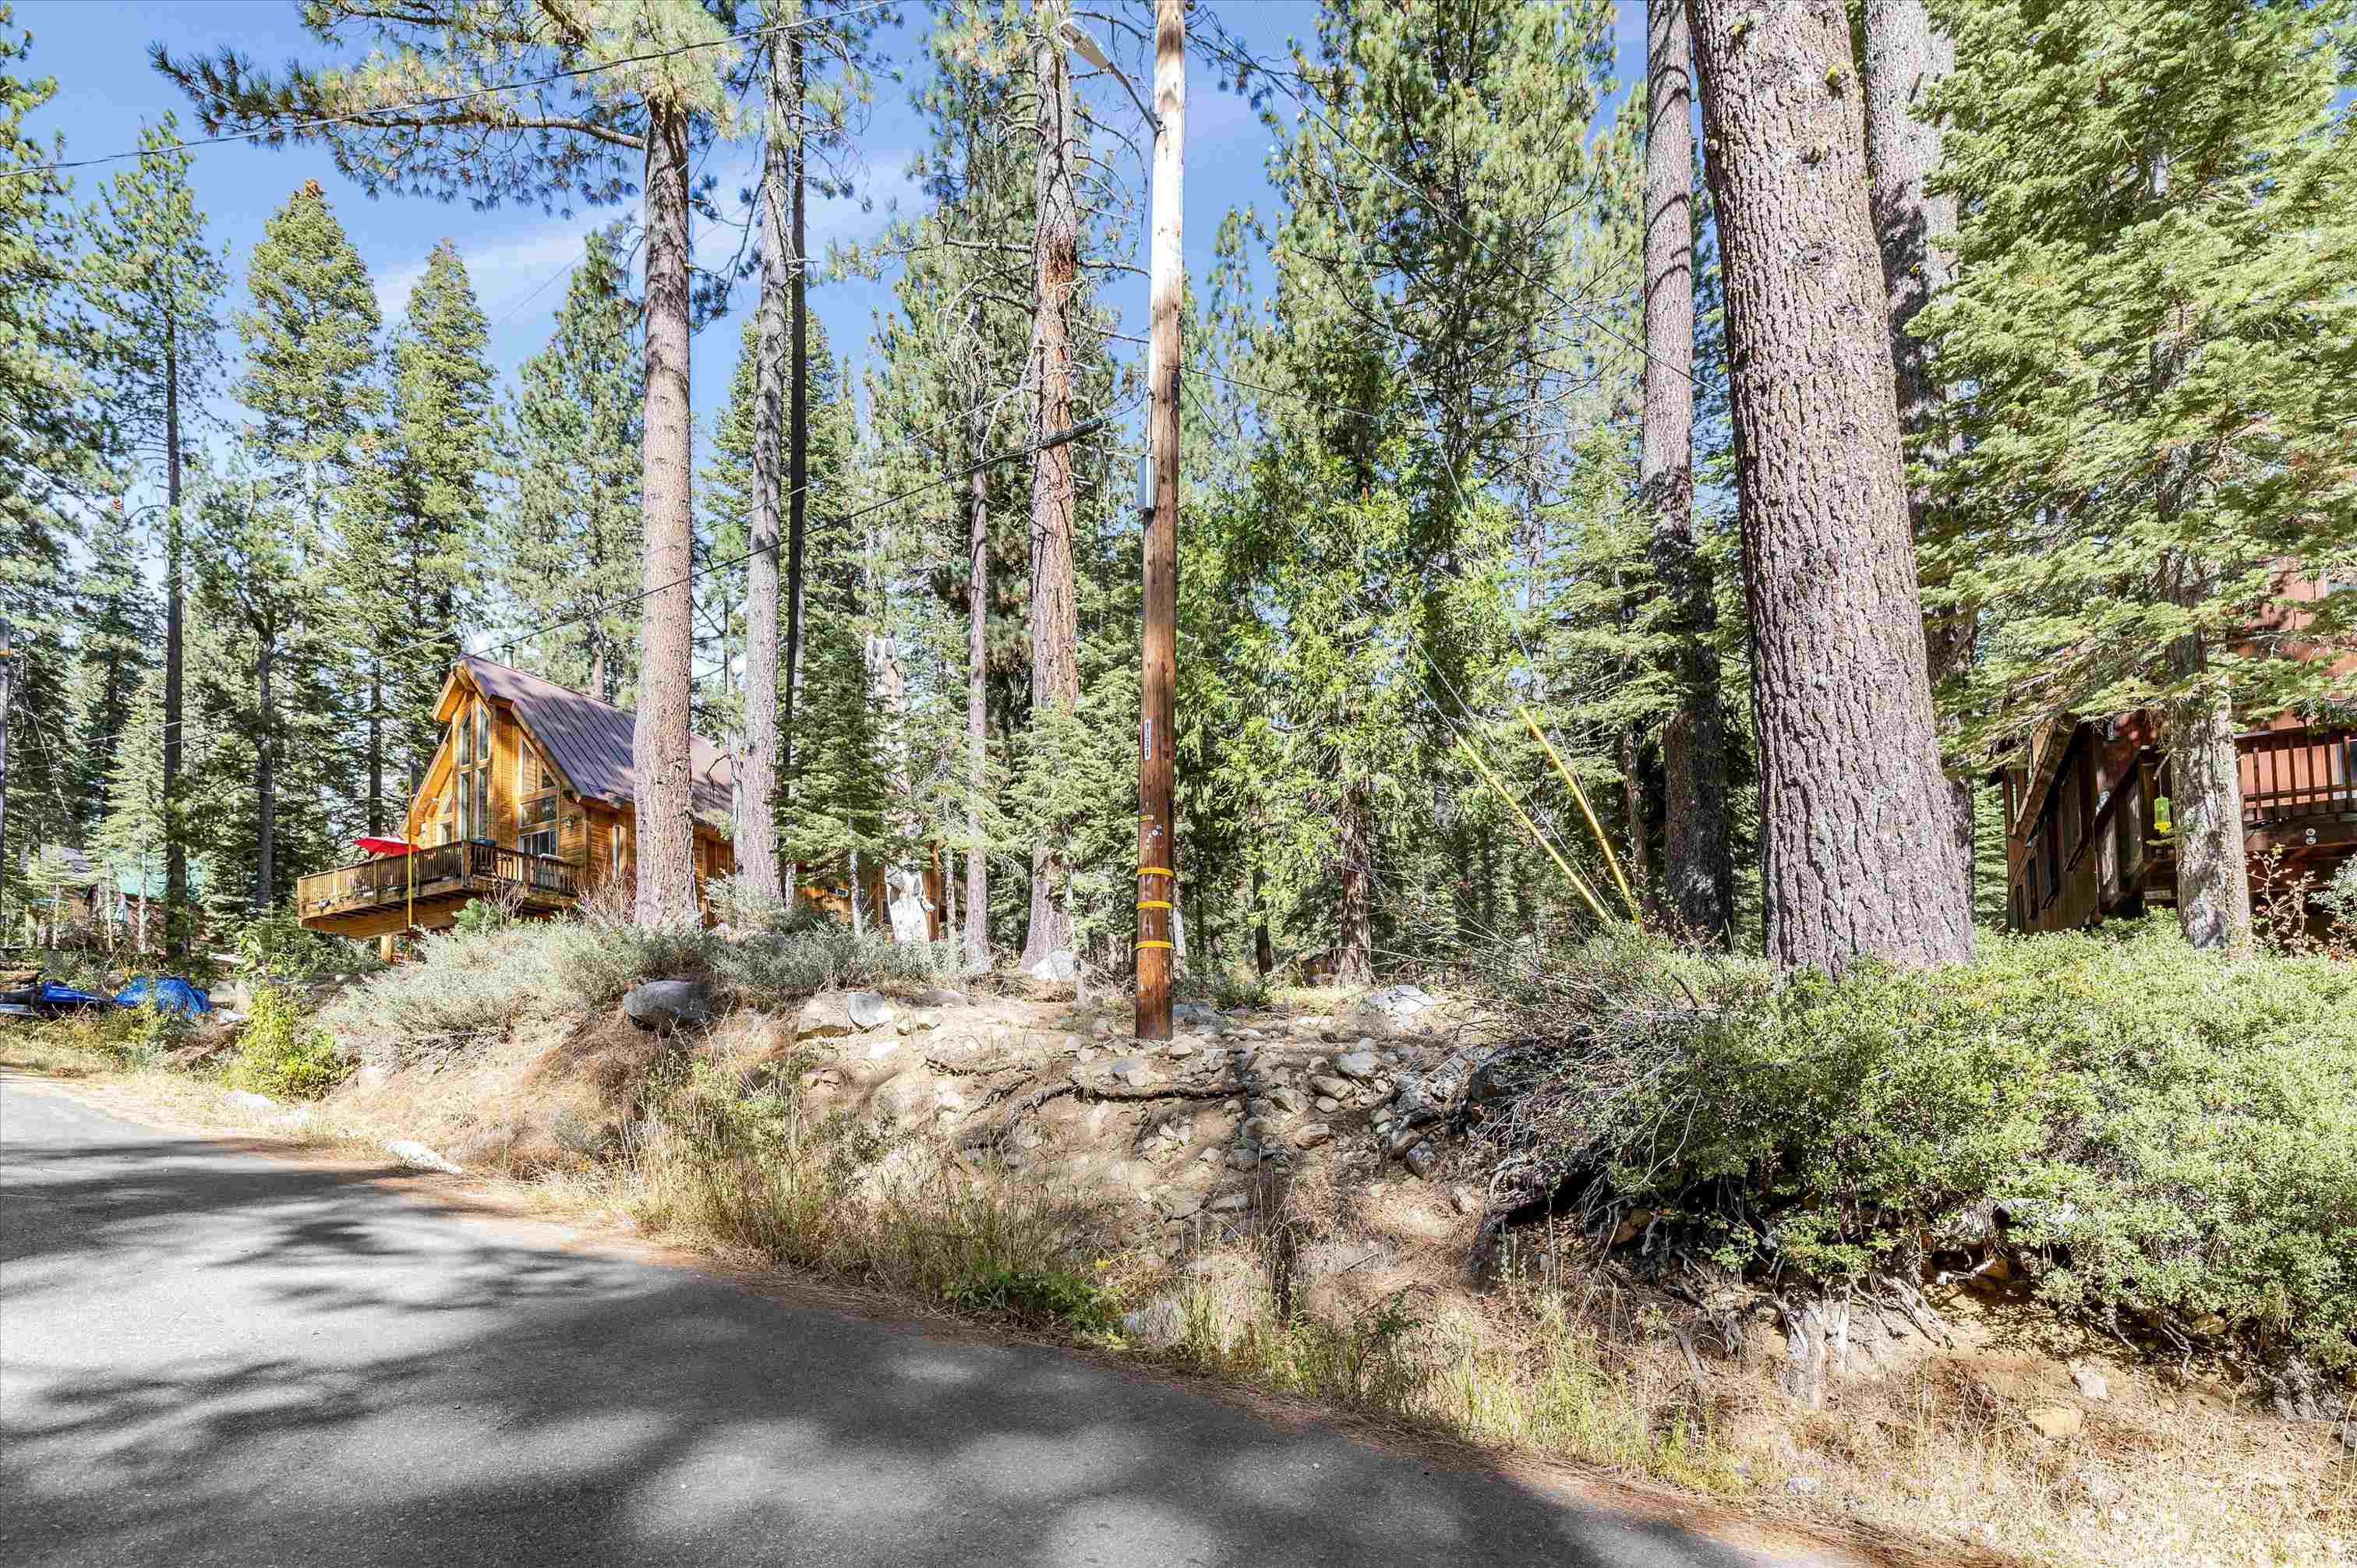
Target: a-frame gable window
pixel 471 735
pixel 536 797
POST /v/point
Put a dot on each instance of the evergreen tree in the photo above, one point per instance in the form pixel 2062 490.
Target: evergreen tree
pixel 2155 336
pixel 114 649
pixel 129 840
pixel 575 538
pixel 641 77
pixel 422 519
pixel 158 291
pixel 310 348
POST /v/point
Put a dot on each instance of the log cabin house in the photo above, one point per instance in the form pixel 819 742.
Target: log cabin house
pixel 528 799
pixel 2086 820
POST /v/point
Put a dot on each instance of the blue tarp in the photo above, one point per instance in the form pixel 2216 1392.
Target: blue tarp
pixel 56 995
pixel 171 995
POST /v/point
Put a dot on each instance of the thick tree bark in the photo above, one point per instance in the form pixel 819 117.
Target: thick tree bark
pixel 1698 855
pixel 176 847
pixel 1355 913
pixel 265 772
pixel 797 419
pixel 1852 796
pixel 1263 948
pixel 2213 884
pixel 756 766
pixel 977 704
pixel 1904 55
pixel 1055 613
pixel 1632 806
pixel 666 833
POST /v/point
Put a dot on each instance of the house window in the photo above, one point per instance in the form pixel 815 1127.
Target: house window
pixel 472 771
pixel 536 797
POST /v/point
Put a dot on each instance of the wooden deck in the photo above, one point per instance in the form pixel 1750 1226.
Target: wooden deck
pixel 429 886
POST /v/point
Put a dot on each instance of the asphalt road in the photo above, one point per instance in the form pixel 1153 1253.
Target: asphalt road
pixel 211 1357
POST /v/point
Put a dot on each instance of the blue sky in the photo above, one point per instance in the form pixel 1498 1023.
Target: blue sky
pixel 518 258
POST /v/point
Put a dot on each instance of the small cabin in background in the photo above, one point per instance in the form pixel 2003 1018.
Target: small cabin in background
pixel 528 799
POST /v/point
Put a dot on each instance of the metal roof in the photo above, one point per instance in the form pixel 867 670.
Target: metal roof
pixel 590 741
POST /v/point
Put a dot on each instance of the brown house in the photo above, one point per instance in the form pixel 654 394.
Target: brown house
pixel 528 799
pixel 2088 832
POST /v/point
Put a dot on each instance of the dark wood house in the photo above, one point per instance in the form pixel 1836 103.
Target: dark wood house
pixel 2088 830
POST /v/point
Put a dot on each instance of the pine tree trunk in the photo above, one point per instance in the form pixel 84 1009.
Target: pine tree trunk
pixel 1904 55
pixel 666 833
pixel 175 848
pixel 977 709
pixel 1698 855
pixel 265 773
pixel 1632 805
pixel 1055 615
pixel 2213 886
pixel 1264 949
pixel 1354 945
pixel 797 417
pixel 756 841
pixel 1852 796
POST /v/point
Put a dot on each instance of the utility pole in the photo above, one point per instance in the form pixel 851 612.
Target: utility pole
pixel 1158 837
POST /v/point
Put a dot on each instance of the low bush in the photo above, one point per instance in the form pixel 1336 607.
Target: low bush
pixel 1040 1297
pixel 2164 1137
pixel 274 946
pixel 281 1053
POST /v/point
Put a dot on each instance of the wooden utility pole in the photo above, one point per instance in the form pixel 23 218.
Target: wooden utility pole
pixel 1158 837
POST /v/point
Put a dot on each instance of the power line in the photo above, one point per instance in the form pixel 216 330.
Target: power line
pixel 359 117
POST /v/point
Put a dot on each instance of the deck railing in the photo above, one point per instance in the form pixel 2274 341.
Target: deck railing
pixel 2290 773
pixel 389 879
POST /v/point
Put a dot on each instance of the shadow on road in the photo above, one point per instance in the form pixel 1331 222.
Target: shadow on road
pixel 210 1358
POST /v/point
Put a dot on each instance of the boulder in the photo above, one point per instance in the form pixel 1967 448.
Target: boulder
pixel 827 1013
pixel 410 1151
pixel 867 1009
pixel 2091 1382
pixel 1058 965
pixel 908 1097
pixel 1314 1134
pixel 668 1004
pixel 1130 1071
pixel 1358 1066
pixel 2058 1421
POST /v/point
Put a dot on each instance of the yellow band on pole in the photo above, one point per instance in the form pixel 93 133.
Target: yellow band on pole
pixel 1154 903
pixel 1593 825
pixel 1149 944
pixel 1562 864
pixel 1156 871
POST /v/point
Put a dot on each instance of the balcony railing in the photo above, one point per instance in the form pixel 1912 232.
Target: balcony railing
pixel 440 869
pixel 2290 773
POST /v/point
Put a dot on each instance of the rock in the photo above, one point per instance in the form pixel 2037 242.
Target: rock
pixel 1314 1134
pixel 1228 1203
pixel 667 1003
pixel 1803 1485
pixel 1423 1157
pixel 1160 1324
pixel 1461 1200
pixel 248 1100
pixel 1286 1098
pixel 1130 1071
pixel 1180 1050
pixel 1058 965
pixel 942 996
pixel 1177 1202
pixel 1332 1088
pixel 1357 1065
pixel 1327 1104
pixel 409 1152
pixel 910 1097
pixel 867 1009
pixel 2091 1382
pixel 1086 1054
pixel 828 1013
pixel 2058 1421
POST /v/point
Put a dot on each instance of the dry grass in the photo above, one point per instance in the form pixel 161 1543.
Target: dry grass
pixel 1559 1365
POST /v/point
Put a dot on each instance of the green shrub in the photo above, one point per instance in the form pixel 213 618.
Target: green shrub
pixel 275 946
pixel 1040 1297
pixel 826 956
pixel 2171 1135
pixel 281 1053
